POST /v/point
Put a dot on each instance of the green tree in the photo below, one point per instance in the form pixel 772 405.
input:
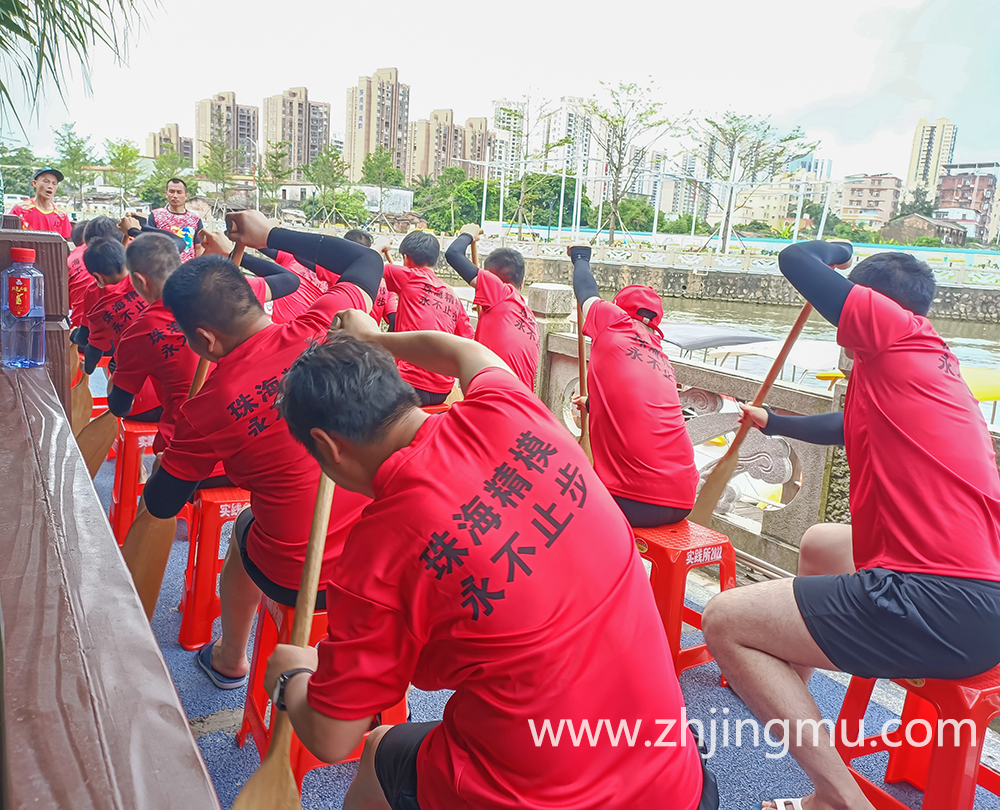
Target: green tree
pixel 379 170
pixel 275 171
pixel 845 230
pixel 123 164
pixel 541 194
pixel 217 164
pixel 350 209
pixel 73 155
pixel 918 204
pixel 40 40
pixel 624 130
pixel 747 151
pixel 329 172
pixel 16 167
pixel 927 241
pixel 755 226
pixel 168 164
pixel 682 225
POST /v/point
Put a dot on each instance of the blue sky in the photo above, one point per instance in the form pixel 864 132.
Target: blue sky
pixel 855 76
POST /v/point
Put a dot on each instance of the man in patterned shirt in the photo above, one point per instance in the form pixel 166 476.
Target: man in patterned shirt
pixel 176 219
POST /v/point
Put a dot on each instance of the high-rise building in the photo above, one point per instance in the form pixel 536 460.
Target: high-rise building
pixel 337 141
pixel 583 135
pixel 965 195
pixel 647 168
pixel 169 136
pixel 237 124
pixel 291 118
pixel 378 114
pixel 508 123
pixel 870 200
pixel 681 195
pixel 437 143
pixel 933 147
pixel 777 201
pixel 820 167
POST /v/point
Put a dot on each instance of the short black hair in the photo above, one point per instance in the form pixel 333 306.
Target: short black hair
pixel 102 228
pixel 506 264
pixel 155 255
pixel 104 257
pixel 899 276
pixel 359 237
pixel 211 292
pixel 77 235
pixel 177 180
pixel 346 387
pixel 422 247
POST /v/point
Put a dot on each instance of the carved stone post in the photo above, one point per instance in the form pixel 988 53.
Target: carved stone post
pixel 551 305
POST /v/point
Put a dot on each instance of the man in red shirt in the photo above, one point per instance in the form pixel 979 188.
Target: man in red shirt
pixel 234 420
pixel 511 578
pixel 41 213
pixel 425 302
pixel 642 451
pixel 911 589
pixel 505 324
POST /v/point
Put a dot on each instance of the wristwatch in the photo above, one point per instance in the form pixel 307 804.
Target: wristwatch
pixel 278 697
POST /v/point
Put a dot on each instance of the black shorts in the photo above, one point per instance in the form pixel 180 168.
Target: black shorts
pixel 396 763
pixel 279 593
pixel 878 623
pixel 641 515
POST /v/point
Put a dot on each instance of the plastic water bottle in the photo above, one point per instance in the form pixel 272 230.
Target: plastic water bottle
pixel 22 311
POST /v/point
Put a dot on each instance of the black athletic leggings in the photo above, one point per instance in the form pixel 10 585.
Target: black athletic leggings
pixel 647 515
pixel 427 398
pixel 152 415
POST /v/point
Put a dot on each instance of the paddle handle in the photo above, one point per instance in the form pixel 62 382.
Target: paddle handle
pixel 474 251
pixel 581 350
pixel 305 604
pixel 779 361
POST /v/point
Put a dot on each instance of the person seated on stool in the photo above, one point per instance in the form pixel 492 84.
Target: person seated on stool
pixel 153 348
pixel 514 580
pixel 233 419
pixel 425 302
pixel 642 451
pixel 506 325
pixel 911 589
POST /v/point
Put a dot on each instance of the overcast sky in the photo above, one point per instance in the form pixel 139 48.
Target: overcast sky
pixel 855 76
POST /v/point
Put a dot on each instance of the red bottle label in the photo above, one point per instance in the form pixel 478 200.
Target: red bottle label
pixel 19 296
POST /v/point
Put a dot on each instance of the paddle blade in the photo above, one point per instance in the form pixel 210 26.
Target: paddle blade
pixel 81 405
pixel 200 374
pixel 711 491
pixel 95 441
pixel 146 550
pixel 272 786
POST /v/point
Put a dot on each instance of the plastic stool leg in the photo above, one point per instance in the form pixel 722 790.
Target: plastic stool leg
pixel 199 613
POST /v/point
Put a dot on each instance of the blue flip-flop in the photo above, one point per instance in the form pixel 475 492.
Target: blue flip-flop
pixel 204 660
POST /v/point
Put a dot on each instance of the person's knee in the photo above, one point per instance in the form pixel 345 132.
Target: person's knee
pixel 371 745
pixel 825 549
pixel 716 620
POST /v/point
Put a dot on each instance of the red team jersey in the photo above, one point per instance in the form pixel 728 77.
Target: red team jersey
pixel 288 307
pixel 287 260
pixel 186 226
pixel 153 348
pixel 641 447
pixel 34 218
pixel 385 304
pixel 465 580
pixel 426 302
pixel 507 326
pixel 110 312
pixel 925 493
pixel 234 419
pixel 80 283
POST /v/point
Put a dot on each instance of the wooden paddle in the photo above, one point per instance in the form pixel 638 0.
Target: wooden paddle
pixel 81 398
pixel 95 440
pixel 581 350
pixel 715 484
pixel 273 786
pixel 474 252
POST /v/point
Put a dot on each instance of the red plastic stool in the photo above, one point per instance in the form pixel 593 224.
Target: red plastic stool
pixel 673 551
pixel 200 605
pixel 945 769
pixel 274 626
pixel 134 440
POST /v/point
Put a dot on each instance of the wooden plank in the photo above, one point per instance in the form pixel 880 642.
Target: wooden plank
pixel 92 717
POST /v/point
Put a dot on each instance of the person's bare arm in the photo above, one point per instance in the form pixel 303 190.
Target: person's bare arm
pixel 437 352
